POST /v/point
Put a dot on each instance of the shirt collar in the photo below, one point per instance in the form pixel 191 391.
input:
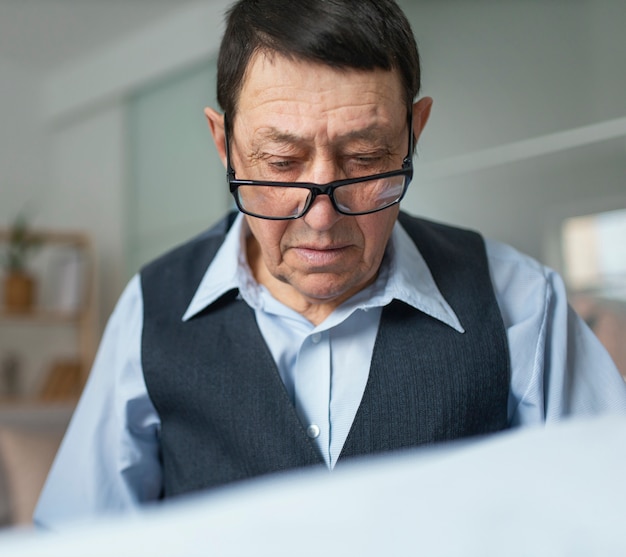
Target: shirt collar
pixel 405 276
pixel 410 280
pixel 228 271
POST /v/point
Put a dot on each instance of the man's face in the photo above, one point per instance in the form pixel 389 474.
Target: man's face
pixel 301 121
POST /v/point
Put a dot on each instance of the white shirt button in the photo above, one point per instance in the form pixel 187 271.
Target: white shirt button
pixel 316 337
pixel 313 431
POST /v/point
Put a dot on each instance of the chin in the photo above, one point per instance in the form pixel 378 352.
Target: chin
pixel 326 292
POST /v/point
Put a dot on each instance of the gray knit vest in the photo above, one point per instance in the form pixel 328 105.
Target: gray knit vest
pixel 225 414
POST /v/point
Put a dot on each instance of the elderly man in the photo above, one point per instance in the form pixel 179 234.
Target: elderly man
pixel 318 323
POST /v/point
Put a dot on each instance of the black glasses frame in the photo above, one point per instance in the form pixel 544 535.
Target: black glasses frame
pixel 320 189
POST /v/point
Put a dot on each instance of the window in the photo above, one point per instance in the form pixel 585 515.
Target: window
pixel 594 253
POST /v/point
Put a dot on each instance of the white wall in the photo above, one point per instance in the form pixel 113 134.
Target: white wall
pixel 87 192
pixel 23 154
pixel 502 72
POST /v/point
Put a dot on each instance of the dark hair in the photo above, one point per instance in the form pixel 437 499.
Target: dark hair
pixel 357 34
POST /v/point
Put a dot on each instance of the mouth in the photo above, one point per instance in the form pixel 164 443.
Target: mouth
pixel 321 256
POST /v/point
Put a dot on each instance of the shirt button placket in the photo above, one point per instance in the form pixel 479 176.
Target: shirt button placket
pixel 312 389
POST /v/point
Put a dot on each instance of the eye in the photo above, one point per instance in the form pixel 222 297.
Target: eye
pixel 279 165
pixel 368 159
pixel 367 156
pixel 281 169
pixel 366 163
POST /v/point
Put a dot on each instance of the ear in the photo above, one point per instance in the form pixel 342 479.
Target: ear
pixel 216 125
pixel 421 113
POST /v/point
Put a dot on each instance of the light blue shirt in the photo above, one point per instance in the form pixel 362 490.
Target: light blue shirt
pixel 109 459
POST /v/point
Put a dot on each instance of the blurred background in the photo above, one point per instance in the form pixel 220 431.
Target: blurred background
pixel 106 157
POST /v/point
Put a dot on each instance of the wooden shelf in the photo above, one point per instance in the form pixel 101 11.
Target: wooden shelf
pixel 27 404
pixel 62 376
pixel 78 239
pixel 40 316
pixel 32 413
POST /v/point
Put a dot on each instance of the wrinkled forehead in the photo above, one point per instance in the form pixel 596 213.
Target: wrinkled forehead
pixel 302 89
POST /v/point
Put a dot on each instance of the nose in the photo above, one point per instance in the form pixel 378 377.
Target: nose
pixel 322 215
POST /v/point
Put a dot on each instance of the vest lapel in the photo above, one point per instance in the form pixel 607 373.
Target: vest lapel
pixel 428 382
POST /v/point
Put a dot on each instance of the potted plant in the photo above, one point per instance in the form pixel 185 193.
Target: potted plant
pixel 19 284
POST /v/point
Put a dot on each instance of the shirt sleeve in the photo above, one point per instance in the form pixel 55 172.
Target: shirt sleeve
pixel 559 368
pixel 109 458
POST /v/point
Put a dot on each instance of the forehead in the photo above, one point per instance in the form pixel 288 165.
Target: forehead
pixel 311 96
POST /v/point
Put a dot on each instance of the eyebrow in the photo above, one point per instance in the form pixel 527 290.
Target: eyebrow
pixel 371 133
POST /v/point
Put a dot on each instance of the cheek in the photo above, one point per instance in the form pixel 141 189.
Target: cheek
pixel 268 235
pixel 376 230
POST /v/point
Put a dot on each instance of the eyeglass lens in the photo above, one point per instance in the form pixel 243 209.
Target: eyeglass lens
pixel 292 201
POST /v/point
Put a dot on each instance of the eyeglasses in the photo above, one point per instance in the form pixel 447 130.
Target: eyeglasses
pixel 291 200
